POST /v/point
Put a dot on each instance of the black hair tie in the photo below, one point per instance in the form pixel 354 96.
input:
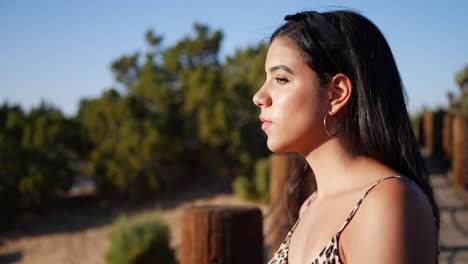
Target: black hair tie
pixel 326 31
pixel 294 17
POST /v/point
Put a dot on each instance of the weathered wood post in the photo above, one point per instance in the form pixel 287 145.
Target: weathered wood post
pixel 282 167
pixel 459 151
pixel 447 135
pixel 421 136
pixel 438 127
pixel 465 152
pixel 222 235
pixel 433 129
pixel 428 122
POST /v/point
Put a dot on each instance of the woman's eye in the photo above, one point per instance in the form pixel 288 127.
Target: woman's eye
pixel 281 80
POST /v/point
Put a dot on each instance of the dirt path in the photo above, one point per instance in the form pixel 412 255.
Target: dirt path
pixel 79 235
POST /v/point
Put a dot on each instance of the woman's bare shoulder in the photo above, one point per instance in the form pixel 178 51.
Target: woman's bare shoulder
pixel 396 222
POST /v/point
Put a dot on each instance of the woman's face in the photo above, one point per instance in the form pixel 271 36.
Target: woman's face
pixel 291 100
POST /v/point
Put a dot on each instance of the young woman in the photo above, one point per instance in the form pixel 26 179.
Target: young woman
pixel 333 94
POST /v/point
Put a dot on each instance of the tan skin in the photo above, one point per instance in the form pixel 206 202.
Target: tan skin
pixel 394 223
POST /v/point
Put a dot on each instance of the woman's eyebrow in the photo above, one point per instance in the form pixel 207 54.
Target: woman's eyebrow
pixel 281 67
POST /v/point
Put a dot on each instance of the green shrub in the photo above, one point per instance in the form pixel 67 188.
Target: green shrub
pixel 262 179
pixel 8 204
pixel 244 188
pixel 141 241
pixel 258 187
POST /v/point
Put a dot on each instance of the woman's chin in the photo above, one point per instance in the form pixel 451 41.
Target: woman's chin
pixel 276 147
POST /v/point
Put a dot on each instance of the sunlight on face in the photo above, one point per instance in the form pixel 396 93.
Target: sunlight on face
pixel 292 107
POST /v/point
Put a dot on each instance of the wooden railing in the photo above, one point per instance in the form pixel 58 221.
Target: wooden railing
pixel 444 136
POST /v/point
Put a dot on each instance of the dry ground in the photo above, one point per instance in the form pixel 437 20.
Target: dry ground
pixel 78 234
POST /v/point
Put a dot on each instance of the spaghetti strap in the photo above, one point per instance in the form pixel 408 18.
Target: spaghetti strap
pixel 353 212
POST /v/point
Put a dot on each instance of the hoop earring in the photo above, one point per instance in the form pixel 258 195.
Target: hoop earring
pixel 325 126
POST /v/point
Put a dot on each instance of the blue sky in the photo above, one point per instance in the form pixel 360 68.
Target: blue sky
pixel 60 51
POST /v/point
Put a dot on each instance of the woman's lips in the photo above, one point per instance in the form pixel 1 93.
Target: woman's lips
pixel 265 125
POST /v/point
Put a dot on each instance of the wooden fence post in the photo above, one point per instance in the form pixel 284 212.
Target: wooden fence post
pixel 465 152
pixel 433 132
pixel 421 136
pixel 428 132
pixel 447 135
pixel 438 127
pixel 222 235
pixel 283 165
pixel 459 151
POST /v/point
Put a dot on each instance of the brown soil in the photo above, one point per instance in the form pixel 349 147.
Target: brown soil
pixel 78 234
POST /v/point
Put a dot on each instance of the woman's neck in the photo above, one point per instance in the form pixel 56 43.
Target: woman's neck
pixel 338 167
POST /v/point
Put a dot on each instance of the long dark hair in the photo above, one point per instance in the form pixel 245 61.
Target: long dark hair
pixel 377 118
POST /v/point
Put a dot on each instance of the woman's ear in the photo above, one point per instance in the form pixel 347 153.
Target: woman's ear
pixel 340 89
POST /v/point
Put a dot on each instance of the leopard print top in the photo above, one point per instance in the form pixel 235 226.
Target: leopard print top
pixel 330 253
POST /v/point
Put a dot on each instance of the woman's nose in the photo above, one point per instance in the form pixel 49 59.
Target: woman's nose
pixel 262 98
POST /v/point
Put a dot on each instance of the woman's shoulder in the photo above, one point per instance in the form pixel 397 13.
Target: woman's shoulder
pixel 394 217
pixel 396 195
